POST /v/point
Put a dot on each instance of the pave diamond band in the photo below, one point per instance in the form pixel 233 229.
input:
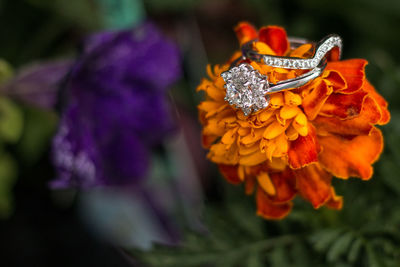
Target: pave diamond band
pixel 321 49
pixel 248 90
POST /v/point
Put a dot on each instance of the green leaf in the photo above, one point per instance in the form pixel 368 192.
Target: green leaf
pixel 323 239
pixel 255 260
pixel 6 71
pixel 279 257
pixel 300 254
pixel 8 175
pixel 11 121
pixel 79 12
pixel 340 246
pixel 373 259
pixel 355 250
pixel 40 127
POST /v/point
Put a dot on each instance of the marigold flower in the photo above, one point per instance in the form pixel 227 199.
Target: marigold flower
pixel 304 138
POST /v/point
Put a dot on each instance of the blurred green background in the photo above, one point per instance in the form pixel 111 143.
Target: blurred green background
pixel 43 227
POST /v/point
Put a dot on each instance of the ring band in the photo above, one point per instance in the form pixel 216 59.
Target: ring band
pixel 321 49
pixel 248 90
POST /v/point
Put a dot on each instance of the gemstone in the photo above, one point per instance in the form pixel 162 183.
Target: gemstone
pixel 246 88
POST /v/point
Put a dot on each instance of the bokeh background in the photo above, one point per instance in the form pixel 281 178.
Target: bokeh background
pixel 187 215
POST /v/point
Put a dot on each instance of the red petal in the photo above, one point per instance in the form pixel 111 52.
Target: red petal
pixel 304 150
pixel 269 210
pixel 314 184
pixel 285 186
pixel 245 32
pixel 230 172
pixel 275 37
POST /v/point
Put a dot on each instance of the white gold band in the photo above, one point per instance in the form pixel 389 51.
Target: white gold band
pixel 321 50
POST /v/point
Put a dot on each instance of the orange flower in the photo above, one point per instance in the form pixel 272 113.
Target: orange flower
pixel 306 135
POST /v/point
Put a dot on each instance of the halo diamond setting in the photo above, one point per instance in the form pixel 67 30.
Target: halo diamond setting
pixel 246 88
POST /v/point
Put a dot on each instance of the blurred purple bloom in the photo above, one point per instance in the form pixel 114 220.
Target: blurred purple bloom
pixel 116 108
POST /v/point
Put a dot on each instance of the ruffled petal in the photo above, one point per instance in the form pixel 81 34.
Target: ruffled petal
pixel 245 32
pixel 335 202
pixel 344 106
pixel 304 150
pixel 269 210
pixel 351 157
pixel 285 185
pixel 385 115
pixel 315 99
pixel 360 125
pixel 353 71
pixel 276 38
pixel 314 184
pixel 336 80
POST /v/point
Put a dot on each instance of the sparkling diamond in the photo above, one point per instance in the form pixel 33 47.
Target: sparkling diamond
pixel 246 88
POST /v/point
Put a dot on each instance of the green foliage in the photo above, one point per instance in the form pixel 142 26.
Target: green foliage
pixel 79 12
pixel 235 236
pixel 6 71
pixel 39 127
pixel 11 121
pixel 8 175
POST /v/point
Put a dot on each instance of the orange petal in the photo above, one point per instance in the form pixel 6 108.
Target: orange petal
pixel 263 48
pixel 351 157
pixel 314 184
pixel 229 137
pixel 274 129
pixel 301 50
pixel 266 184
pixel 292 99
pixel 253 159
pixel 269 210
pixel 353 71
pixel 276 38
pixel 344 105
pixel 230 173
pixel 288 112
pixel 304 150
pixel 385 118
pixel 313 102
pixel 360 125
pixel 245 32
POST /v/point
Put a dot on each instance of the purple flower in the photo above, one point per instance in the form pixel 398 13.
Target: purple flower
pixel 116 108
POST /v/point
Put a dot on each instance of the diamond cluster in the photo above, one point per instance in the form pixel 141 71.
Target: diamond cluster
pixel 290 63
pixel 246 88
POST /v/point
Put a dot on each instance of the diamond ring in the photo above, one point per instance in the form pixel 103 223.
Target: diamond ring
pixel 249 90
pixel 321 50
